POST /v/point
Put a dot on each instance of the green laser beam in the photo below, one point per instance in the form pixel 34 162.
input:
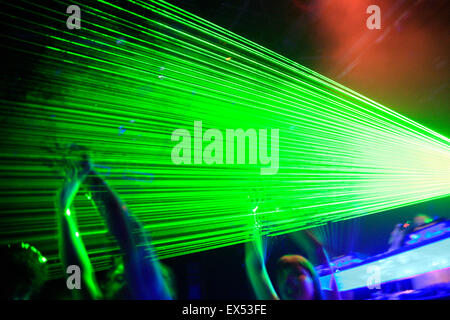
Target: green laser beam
pixel 131 76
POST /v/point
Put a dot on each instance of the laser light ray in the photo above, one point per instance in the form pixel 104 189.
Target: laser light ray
pixel 132 75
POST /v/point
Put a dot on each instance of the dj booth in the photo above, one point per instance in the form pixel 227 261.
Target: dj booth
pixel 420 269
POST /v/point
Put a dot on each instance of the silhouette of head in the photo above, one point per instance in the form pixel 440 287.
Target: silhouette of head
pixel 24 271
pixel 297 279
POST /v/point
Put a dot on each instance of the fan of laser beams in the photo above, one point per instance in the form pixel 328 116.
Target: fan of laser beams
pixel 133 74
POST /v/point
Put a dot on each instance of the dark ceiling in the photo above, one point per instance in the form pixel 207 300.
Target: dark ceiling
pixel 404 65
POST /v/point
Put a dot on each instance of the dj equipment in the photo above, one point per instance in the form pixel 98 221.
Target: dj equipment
pixel 425 250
